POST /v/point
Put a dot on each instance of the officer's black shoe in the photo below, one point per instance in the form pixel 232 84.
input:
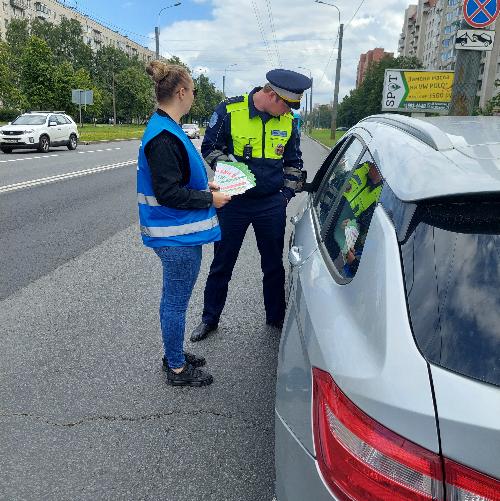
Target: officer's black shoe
pixel 202 331
pixel 191 359
pixel 189 376
pixel 275 325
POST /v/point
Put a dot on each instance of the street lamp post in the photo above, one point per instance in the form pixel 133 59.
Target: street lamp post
pixel 337 73
pixel 157 28
pixel 224 79
pixel 310 94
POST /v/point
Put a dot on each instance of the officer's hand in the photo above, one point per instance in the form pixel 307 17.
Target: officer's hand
pixel 219 199
pixel 226 158
pixel 213 186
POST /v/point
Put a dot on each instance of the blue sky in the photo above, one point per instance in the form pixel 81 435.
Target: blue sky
pixel 244 39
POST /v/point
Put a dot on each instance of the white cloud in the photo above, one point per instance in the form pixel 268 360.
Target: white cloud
pixel 305 33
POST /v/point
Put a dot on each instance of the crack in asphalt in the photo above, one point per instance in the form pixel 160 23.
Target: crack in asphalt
pixel 132 419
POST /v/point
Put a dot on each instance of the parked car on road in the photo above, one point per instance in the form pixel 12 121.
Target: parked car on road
pixel 388 382
pixel 39 130
pixel 192 130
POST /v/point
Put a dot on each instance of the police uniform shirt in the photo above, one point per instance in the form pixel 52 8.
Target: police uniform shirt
pixel 218 136
pixel 170 172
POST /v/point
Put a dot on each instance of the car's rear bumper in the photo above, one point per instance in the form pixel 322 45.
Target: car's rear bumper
pixel 297 474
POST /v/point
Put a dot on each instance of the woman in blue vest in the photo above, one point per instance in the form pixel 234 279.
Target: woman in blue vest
pixel 176 212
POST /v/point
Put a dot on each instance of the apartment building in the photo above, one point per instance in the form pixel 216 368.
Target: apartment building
pixel 366 59
pixel 429 32
pixel 95 34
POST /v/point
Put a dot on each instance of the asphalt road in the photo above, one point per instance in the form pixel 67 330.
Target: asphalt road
pixel 84 409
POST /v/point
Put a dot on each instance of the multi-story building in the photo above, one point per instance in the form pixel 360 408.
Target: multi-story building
pixel 407 37
pixel 429 33
pixel 366 59
pixel 95 34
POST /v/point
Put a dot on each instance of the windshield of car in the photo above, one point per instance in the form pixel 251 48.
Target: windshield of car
pixel 451 263
pixel 189 126
pixel 29 120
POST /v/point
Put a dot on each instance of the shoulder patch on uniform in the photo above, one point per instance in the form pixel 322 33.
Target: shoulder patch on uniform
pixel 213 119
pixel 237 99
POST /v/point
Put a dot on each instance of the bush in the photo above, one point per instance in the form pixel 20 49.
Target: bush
pixel 7 114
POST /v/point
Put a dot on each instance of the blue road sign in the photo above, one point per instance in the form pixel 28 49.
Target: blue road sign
pixel 481 13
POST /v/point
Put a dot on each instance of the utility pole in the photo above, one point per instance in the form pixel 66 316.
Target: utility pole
pixel 157 28
pixel 311 103
pixel 114 100
pixel 224 85
pixel 305 117
pixel 337 82
pixel 467 68
pixel 157 38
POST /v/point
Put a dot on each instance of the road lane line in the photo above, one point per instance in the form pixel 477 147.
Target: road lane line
pixel 61 177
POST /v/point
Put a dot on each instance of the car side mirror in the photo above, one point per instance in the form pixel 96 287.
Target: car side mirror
pixel 52 124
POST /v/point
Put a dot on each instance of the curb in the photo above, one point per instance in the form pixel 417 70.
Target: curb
pixel 97 141
pixel 319 142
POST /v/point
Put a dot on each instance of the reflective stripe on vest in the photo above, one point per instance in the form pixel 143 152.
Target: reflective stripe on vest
pixel 183 229
pixel 147 200
pixel 271 136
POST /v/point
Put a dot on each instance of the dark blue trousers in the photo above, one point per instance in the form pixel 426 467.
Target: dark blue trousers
pixel 267 215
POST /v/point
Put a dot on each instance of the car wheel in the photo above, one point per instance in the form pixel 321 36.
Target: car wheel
pixel 6 150
pixel 44 144
pixel 73 142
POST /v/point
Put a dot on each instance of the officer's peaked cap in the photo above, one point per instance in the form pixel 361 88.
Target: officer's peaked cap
pixel 289 85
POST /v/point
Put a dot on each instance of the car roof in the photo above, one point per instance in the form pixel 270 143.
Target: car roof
pixel 430 157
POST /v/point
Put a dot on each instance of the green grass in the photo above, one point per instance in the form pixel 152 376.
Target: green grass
pixel 90 132
pixel 107 132
pixel 323 136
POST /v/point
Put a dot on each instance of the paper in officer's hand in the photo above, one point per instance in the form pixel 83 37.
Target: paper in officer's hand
pixel 233 178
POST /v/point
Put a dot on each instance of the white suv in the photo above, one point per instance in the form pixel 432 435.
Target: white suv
pixel 192 131
pixel 40 130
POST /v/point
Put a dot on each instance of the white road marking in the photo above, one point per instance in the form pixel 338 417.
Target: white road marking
pixel 61 177
pixel 23 159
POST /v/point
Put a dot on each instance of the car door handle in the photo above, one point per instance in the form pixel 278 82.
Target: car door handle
pixel 294 255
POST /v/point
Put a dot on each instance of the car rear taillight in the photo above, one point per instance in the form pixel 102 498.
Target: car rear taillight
pixel 362 460
pixel 465 484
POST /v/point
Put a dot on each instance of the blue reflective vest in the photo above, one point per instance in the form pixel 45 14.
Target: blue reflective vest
pixel 163 226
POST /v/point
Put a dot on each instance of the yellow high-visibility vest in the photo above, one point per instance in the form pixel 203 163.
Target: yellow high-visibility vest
pixel 360 196
pixel 267 140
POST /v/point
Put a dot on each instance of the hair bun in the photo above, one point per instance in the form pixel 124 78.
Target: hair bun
pixel 158 70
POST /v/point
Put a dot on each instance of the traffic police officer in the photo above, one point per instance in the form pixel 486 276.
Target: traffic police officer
pixel 257 129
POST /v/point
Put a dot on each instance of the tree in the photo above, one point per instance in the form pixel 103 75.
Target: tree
pixel 207 99
pixel 493 105
pixel 367 98
pixel 65 40
pixel 134 95
pixel 37 74
pixel 10 95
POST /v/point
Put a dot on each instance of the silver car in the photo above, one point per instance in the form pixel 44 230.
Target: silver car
pixel 388 384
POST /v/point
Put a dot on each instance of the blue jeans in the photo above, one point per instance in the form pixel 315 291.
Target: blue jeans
pixel 181 266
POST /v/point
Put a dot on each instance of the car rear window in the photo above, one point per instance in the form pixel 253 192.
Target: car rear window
pixel 451 261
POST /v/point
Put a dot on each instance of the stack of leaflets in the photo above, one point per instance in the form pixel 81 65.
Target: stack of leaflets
pixel 233 178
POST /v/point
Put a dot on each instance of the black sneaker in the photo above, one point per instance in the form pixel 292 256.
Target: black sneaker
pixel 275 325
pixel 190 376
pixel 191 359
